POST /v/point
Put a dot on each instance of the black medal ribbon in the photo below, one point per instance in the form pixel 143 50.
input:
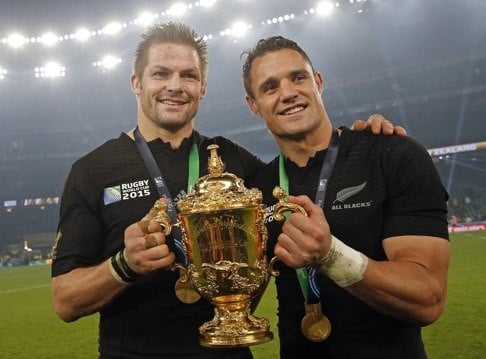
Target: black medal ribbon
pixel 164 192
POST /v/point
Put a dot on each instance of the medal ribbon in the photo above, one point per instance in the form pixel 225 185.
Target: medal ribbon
pixel 162 188
pixel 307 279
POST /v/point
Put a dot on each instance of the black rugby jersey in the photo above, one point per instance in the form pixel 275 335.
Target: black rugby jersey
pixel 106 191
pixel 381 186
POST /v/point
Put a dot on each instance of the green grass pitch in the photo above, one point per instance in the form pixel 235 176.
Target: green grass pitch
pixel 30 329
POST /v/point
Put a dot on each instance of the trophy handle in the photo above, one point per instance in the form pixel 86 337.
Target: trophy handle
pixel 166 227
pixel 279 215
pixel 160 215
pixel 283 206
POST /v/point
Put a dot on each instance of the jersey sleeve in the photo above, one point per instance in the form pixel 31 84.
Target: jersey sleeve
pixel 416 201
pixel 80 233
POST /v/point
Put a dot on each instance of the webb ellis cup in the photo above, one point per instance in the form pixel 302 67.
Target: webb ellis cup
pixel 224 238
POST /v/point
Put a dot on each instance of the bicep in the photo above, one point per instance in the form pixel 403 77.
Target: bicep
pixel 431 253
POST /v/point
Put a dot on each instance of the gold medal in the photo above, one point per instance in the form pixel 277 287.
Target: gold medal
pixel 315 326
pixel 185 292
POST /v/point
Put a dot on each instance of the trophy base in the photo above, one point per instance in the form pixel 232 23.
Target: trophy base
pixel 234 342
pixel 233 325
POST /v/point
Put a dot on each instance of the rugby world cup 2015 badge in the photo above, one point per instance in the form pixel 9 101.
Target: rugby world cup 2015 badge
pixel 112 194
pixel 126 191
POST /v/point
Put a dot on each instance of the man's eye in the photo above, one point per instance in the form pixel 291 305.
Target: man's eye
pixel 300 78
pixel 190 76
pixel 269 87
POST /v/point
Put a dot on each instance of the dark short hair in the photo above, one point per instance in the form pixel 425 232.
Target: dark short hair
pixel 170 32
pixel 263 47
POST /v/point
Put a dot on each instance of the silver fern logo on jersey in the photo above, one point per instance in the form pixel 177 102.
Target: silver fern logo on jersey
pixel 126 191
pixel 342 196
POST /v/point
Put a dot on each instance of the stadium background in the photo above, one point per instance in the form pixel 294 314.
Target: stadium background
pixel 422 63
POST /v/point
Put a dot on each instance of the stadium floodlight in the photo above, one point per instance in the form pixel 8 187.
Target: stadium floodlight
pixel 3 72
pixel 238 29
pixel 112 28
pixel 207 37
pixel 178 9
pixel 207 3
pixel 82 34
pixel 49 39
pixel 325 8
pixel 108 62
pixel 50 70
pixel 145 19
pixel 16 40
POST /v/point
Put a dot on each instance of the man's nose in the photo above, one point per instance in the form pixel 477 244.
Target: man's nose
pixel 174 82
pixel 287 90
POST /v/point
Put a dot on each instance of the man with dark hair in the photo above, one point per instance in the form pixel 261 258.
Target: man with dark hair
pixel 365 256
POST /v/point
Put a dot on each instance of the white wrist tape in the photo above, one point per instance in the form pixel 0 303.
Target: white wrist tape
pixel 343 264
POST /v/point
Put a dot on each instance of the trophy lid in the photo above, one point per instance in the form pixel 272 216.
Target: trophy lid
pixel 218 190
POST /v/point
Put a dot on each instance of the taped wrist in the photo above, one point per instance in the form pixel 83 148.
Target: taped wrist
pixel 343 264
pixel 120 269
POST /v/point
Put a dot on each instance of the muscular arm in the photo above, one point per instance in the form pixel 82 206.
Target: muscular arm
pixel 84 291
pixel 411 285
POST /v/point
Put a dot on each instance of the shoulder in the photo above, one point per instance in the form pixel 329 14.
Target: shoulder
pixel 393 146
pixel 114 155
pixel 107 151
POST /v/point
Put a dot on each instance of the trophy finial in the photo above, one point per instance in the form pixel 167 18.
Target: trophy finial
pixel 215 164
pixel 218 190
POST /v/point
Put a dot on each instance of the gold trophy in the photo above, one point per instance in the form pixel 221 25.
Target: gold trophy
pixel 224 238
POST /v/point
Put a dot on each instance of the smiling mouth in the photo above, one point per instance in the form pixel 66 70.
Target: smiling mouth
pixel 293 110
pixel 171 102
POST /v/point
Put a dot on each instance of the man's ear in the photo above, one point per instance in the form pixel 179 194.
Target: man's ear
pixel 135 84
pixel 319 81
pixel 204 90
pixel 252 105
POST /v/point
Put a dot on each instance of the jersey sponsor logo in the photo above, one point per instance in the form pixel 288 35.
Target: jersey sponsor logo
pixel 337 204
pixel 126 191
pixel 337 207
pixel 348 192
pixel 345 194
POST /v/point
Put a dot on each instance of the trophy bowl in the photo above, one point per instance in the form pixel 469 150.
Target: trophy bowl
pixel 224 238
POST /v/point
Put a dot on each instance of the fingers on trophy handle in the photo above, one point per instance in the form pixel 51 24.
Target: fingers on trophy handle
pixel 159 214
pixel 283 206
pixel 279 215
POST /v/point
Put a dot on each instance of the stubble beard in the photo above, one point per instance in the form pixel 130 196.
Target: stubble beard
pixel 171 124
